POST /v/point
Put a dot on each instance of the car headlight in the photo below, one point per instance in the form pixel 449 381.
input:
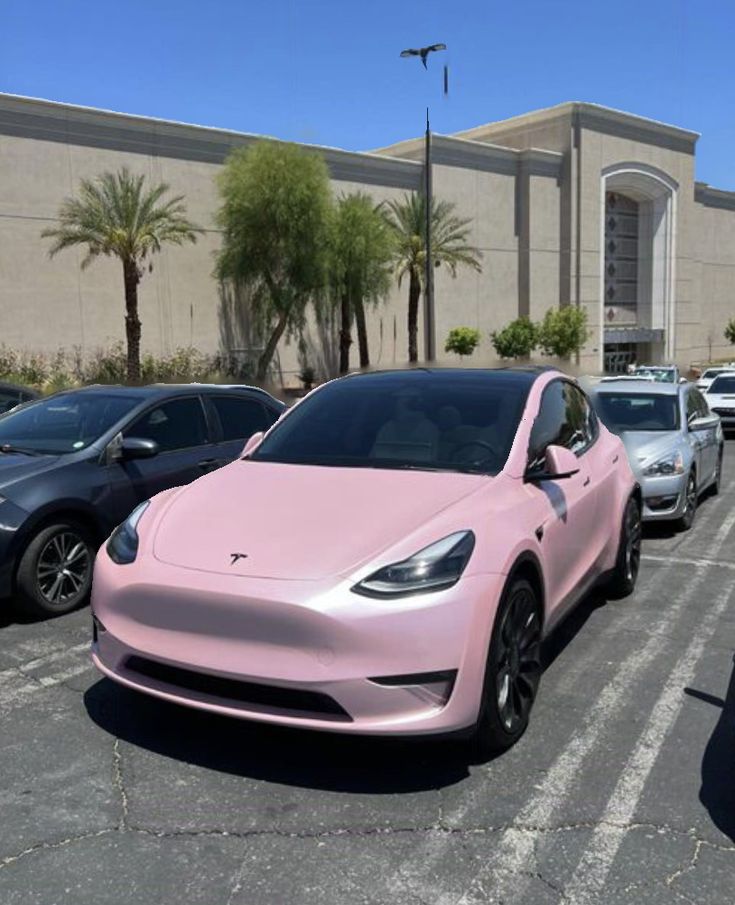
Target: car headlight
pixel 122 547
pixel 435 567
pixel 670 465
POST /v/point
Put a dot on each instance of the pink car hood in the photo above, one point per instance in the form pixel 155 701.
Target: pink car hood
pixel 299 521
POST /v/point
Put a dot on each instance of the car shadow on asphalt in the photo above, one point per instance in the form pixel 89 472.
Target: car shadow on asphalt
pixel 298 757
pixel 717 792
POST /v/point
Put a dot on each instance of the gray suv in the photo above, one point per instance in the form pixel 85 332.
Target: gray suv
pixel 674 443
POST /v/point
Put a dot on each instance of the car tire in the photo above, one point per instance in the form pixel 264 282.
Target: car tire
pixel 627 563
pixel 55 571
pixel 690 509
pixel 512 672
pixel 715 487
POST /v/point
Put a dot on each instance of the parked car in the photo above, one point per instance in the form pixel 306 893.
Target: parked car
pixel 659 373
pixel 404 542
pixel 721 399
pixel 709 375
pixel 12 394
pixel 75 465
pixel 674 443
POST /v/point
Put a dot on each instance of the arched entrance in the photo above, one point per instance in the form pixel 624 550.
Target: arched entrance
pixel 637 234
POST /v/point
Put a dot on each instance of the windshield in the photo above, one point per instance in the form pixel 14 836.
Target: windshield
pixel 421 420
pixel 723 384
pixel 62 424
pixel 638 411
pixel 661 375
pixel 714 372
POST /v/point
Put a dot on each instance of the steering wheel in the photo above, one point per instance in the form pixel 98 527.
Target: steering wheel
pixel 491 450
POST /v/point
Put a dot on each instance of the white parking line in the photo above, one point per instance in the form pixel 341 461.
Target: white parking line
pixel 514 855
pixel 594 866
pixel 19 682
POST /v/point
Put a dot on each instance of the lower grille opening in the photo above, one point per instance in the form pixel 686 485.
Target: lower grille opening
pixel 271 698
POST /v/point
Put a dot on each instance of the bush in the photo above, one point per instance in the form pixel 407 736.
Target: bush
pixel 730 331
pixel 66 370
pixel 517 340
pixel 462 341
pixel 563 331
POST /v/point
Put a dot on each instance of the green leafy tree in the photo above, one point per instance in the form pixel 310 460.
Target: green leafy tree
pixel 449 246
pixel 517 340
pixel 275 219
pixel 117 215
pixel 462 341
pixel 360 268
pixel 730 331
pixel 563 331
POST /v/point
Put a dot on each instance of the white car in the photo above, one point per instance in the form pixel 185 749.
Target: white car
pixel 709 375
pixel 721 399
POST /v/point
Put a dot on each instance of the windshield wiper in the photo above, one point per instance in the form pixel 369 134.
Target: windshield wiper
pixel 21 450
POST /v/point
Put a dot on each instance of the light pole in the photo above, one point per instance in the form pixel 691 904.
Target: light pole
pixel 429 325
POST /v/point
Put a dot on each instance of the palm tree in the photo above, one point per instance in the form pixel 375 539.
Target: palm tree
pixel 360 268
pixel 449 246
pixel 118 216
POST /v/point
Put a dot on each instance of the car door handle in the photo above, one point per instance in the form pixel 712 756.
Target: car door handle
pixel 208 463
pixel 586 482
pixel 615 458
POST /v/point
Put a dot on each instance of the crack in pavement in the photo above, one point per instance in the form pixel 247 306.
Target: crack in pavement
pixel 119 785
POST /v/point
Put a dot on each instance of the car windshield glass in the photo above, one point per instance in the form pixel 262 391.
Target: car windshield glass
pixel 413 420
pixel 661 375
pixel 723 384
pixel 638 411
pixel 714 372
pixel 65 423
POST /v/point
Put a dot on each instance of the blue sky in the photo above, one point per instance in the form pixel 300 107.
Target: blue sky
pixel 328 71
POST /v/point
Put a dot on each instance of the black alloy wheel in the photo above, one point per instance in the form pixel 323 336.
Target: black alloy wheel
pixel 513 670
pixel 627 565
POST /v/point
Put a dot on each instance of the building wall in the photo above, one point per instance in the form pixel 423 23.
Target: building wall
pixel 535 214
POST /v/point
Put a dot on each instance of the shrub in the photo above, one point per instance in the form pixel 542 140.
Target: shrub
pixel 462 341
pixel 517 340
pixel 730 330
pixel 563 331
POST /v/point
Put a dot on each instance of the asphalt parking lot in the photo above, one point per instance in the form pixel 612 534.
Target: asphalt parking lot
pixel 621 791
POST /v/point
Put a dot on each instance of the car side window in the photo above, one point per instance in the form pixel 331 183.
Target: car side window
pixel 700 403
pixel 176 424
pixel 692 408
pixel 565 418
pixel 241 417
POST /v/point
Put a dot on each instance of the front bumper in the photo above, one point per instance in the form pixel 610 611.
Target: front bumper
pixel 664 498
pixel 295 652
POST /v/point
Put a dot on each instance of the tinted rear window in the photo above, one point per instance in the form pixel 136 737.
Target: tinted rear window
pixel 638 411
pixel 723 384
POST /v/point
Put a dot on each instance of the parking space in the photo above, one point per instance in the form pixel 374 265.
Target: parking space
pixel 620 792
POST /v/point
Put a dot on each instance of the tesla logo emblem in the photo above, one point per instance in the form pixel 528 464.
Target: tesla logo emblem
pixel 235 557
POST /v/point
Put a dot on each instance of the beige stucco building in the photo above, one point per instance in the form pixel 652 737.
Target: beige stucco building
pixel 576 204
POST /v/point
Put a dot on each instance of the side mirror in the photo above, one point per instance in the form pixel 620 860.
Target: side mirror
pixel 701 423
pixel 560 463
pixel 138 448
pixel 252 442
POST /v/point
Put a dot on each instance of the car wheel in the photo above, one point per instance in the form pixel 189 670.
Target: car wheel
pixel 625 574
pixel 512 672
pixel 715 488
pixel 690 506
pixel 55 571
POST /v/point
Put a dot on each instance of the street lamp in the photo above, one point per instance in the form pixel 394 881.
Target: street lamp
pixel 429 326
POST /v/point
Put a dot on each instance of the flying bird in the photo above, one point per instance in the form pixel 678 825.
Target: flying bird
pixel 422 52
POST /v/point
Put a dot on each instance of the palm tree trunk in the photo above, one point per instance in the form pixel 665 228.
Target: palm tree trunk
pixel 414 292
pixel 270 348
pixel 362 339
pixel 345 333
pixel 132 321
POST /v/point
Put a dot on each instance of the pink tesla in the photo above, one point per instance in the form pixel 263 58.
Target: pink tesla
pixel 385 560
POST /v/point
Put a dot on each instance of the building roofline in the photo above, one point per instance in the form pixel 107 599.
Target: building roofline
pixel 54 121
pixel 596 117
pixel 712 197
